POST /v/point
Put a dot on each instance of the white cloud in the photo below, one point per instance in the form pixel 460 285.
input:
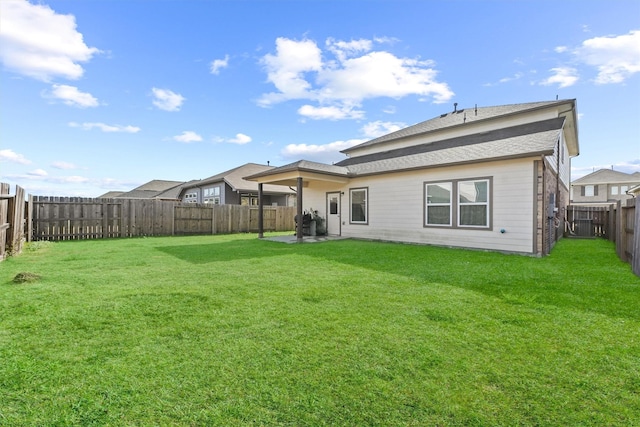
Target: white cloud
pixel 562 76
pixel 240 139
pixel 327 153
pixel 187 136
pixel 8 155
pixel 287 67
pixel 167 100
pixel 339 85
pixel 218 64
pixel 560 49
pixel 38 172
pixel 616 58
pixel 36 41
pixel 70 95
pixel 63 165
pixel 343 49
pixel 330 112
pixel 106 128
pixel 379 128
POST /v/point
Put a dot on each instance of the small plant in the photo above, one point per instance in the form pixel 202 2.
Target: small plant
pixel 26 277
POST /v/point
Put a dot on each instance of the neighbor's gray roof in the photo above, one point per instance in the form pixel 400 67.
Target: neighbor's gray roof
pixel 158 185
pixel 608 176
pixel 235 178
pixel 156 188
pixel 110 194
pixel 457 118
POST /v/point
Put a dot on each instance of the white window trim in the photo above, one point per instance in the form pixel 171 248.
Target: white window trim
pixel 366 205
pixel 487 204
pixel 427 204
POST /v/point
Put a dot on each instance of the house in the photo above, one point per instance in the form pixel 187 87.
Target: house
pixel 230 188
pixel 156 189
pixel 493 178
pixel 603 187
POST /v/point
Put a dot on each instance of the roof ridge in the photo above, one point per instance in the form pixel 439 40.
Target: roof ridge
pixel 450 119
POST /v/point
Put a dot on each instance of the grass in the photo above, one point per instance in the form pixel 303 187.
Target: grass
pixel 231 330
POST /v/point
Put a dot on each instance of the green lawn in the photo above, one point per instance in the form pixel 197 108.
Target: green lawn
pixel 232 330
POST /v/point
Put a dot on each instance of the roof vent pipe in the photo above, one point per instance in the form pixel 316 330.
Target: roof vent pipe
pixel 476 109
pixel 455 107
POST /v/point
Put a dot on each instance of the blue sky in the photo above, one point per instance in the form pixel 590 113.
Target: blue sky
pixel 107 95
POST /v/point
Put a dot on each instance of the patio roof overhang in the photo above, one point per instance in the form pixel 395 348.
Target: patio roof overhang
pixel 309 171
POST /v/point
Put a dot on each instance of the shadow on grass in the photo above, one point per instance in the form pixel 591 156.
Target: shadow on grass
pixel 225 251
pixel 584 275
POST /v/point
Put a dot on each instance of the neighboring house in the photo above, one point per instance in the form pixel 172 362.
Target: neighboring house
pixel 603 187
pixel 230 188
pixel 494 178
pixel 155 189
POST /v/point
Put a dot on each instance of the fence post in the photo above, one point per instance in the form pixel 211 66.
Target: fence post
pixel 611 226
pixel 29 224
pixel 621 234
pixel 635 249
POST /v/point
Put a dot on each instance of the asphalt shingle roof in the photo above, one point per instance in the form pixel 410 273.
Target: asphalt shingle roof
pixel 538 143
pixel 456 118
pixel 235 178
pixel 608 176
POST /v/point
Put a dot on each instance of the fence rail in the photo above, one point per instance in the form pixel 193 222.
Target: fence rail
pixel 71 218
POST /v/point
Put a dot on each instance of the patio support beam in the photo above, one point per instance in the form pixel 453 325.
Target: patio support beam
pixel 299 206
pixel 260 213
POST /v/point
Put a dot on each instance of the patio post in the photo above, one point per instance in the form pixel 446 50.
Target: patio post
pixel 299 216
pixel 260 213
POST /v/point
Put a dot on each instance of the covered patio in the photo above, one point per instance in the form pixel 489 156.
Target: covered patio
pixel 297 176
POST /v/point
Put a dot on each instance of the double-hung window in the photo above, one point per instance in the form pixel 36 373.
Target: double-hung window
pixel 473 203
pixel 358 207
pixel 458 203
pixel 438 207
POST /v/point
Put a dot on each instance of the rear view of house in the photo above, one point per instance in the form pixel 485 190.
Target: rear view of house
pixel 494 178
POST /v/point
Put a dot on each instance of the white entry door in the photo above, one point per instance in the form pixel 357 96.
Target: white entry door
pixel 333 214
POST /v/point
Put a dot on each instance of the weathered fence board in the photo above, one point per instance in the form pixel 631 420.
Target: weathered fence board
pixel 4 219
pixel 12 220
pixel 78 218
pixel 635 248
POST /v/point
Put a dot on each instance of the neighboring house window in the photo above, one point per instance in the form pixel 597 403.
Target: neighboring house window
pixel 248 200
pixel 590 190
pixel 458 203
pixel 438 204
pixel 358 211
pixel 473 207
pixel 614 190
pixel 623 189
pixel 211 195
pixel 191 198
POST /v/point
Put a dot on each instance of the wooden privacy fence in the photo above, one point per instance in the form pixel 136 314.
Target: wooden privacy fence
pixel 72 218
pixel 12 220
pixel 619 222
